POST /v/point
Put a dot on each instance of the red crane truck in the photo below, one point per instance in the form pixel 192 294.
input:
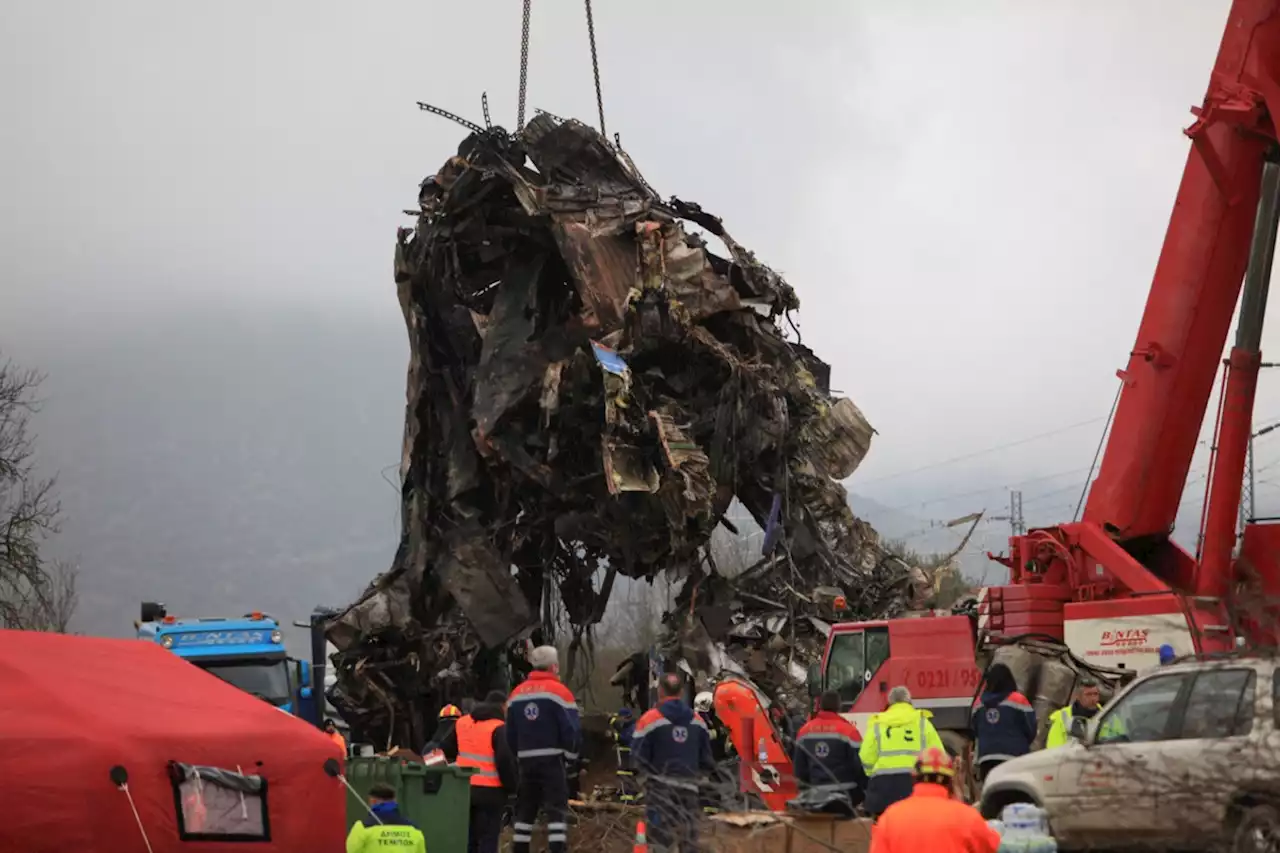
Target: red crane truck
pixel 1113 586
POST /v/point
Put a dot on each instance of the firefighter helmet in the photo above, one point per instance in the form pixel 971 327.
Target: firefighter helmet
pixel 703 701
pixel 935 762
pixel 450 711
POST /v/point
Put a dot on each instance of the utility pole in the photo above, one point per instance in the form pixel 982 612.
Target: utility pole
pixel 1016 522
pixel 1017 525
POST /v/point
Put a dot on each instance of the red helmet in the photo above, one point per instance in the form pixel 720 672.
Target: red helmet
pixel 450 711
pixel 935 762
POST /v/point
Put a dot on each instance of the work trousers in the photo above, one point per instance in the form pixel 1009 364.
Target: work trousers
pixel 486 828
pixel 886 789
pixel 543 786
pixel 671 817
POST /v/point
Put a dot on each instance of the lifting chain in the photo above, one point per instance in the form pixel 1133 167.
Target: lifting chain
pixel 524 65
pixel 595 65
pixel 469 125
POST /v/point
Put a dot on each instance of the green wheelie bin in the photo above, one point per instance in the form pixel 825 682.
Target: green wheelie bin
pixel 436 798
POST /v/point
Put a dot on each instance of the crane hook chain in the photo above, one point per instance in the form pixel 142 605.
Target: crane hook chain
pixel 524 65
pixel 595 66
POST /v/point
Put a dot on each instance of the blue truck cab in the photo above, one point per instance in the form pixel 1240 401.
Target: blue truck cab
pixel 247 653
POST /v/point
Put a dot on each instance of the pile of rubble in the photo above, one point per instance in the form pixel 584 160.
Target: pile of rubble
pixel 590 387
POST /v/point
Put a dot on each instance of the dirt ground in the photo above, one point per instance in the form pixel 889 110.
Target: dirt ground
pixel 612 830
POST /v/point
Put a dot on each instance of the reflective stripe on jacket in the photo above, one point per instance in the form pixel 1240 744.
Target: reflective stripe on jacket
pixel 1060 727
pixel 826 753
pixel 1004 725
pixel 475 750
pixel 898 736
pixel 542 719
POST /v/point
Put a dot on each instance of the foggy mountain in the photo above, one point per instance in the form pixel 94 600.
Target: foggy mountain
pixel 224 462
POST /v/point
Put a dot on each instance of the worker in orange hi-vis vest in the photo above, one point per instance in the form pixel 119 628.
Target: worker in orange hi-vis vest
pixel 331 729
pixel 480 742
pixel 931 819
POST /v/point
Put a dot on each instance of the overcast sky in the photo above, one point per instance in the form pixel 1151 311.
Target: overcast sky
pixel 969 197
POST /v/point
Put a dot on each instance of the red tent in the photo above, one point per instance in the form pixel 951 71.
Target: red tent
pixel 74 709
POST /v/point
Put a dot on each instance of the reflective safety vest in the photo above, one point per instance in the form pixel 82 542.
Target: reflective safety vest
pixel 1060 728
pixel 475 750
pixel 897 738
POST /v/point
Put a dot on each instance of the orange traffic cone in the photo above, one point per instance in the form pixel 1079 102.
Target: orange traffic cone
pixel 641 846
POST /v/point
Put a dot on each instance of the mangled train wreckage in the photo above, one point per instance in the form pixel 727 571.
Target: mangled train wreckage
pixel 590 387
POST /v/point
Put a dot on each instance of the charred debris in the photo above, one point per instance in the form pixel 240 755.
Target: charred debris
pixel 590 387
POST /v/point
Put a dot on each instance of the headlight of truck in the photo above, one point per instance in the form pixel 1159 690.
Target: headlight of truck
pixel 166 641
pixel 276 636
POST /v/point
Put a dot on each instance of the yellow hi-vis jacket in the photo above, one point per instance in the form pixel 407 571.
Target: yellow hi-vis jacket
pixel 369 837
pixel 1060 728
pixel 895 739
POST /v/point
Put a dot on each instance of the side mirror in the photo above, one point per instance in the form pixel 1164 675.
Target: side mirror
pixel 814 682
pixel 1079 728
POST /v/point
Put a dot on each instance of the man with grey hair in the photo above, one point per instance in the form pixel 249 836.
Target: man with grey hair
pixel 544 735
pixel 895 738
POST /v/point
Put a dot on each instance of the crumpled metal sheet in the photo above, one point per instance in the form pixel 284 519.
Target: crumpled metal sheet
pixel 589 388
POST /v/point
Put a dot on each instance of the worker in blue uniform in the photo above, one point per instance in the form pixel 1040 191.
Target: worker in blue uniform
pixel 544 733
pixel 672 751
pixel 826 758
pixel 1002 720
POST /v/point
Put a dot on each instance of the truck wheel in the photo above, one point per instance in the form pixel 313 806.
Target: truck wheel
pixel 1258 831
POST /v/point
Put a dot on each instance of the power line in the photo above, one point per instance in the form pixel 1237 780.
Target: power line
pixel 975 454
pixel 990 489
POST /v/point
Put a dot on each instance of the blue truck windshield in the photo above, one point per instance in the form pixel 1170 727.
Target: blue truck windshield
pixel 267 680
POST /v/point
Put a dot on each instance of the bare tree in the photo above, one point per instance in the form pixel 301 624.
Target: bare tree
pixel 29 510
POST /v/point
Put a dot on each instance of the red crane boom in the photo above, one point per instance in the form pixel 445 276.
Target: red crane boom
pixel 1116 576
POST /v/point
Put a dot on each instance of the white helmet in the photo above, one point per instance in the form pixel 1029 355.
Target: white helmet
pixel 703 701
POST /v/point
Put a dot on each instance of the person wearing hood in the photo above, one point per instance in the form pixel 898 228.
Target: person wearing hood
pixel 384 827
pixel 480 742
pixel 672 750
pixel 896 737
pixel 1002 720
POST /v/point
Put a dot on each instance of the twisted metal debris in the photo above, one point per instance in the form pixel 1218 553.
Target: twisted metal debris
pixel 589 388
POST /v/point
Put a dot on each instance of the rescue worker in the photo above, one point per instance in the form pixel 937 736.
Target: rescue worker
pixel 1002 720
pixel 672 749
pixel 721 746
pixel 442 738
pixel 544 734
pixel 481 744
pixel 930 819
pixel 331 729
pixel 826 756
pixel 1086 705
pixel 622 727
pixel 384 828
pixel 895 738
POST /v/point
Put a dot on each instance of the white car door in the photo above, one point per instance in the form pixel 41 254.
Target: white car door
pixel 1217 742
pixel 1108 788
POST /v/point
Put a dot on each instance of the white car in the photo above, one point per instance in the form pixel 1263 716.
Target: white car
pixel 1186 757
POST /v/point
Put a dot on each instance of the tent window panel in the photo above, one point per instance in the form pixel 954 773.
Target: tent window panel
pixel 220 805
